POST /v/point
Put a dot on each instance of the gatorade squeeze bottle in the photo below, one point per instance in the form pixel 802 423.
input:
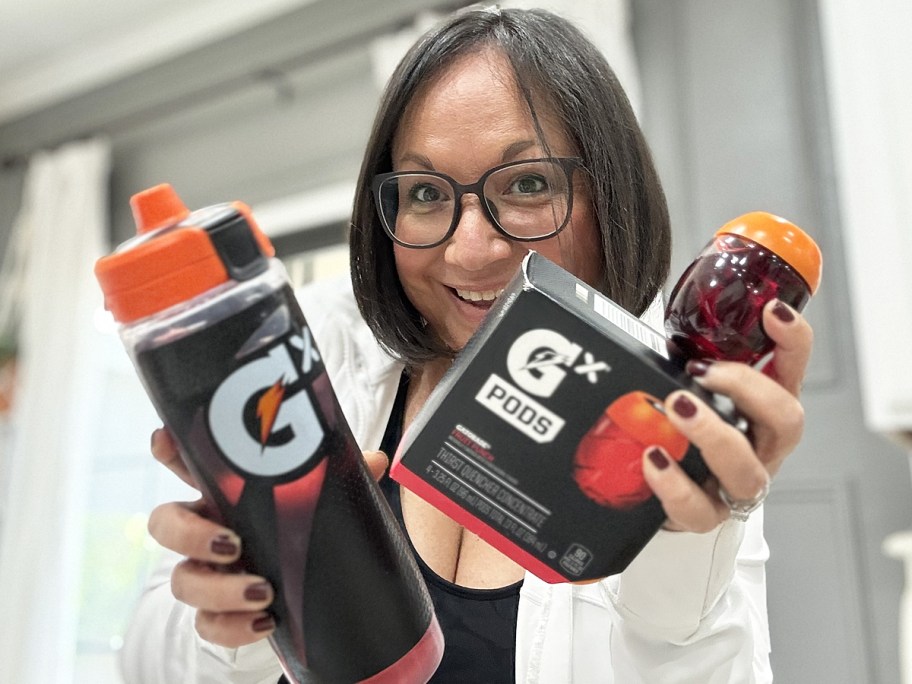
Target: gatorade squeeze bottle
pixel 225 354
pixel 715 310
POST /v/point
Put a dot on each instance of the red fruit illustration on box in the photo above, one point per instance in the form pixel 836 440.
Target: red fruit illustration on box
pixel 608 466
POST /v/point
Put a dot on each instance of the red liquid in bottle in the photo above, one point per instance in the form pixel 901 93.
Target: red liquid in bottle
pixel 716 309
pixel 227 357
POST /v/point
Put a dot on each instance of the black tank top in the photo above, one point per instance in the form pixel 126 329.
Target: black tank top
pixel 479 625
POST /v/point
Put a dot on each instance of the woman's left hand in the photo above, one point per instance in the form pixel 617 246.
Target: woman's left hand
pixel 741 464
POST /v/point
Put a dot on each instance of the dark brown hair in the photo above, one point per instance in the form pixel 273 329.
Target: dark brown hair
pixel 554 64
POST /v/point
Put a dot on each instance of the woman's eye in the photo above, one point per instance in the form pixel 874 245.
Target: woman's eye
pixel 426 193
pixel 528 185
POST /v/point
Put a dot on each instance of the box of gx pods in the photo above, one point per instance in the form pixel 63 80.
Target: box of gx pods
pixel 534 438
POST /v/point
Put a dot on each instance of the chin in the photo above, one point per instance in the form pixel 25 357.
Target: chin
pixel 457 343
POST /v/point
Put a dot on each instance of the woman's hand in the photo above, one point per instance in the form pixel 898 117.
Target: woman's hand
pixel 231 605
pixel 741 464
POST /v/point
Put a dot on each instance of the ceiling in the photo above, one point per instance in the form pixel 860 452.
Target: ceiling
pixel 52 49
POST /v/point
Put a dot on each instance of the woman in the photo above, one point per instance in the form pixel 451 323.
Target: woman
pixel 497 105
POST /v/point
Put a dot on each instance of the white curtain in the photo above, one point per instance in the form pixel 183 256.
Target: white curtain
pixel 58 235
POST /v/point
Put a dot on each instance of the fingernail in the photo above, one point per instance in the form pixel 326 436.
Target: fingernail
pixel 659 460
pixel 684 407
pixel 783 313
pixel 223 545
pixel 697 367
pixel 263 624
pixel 257 592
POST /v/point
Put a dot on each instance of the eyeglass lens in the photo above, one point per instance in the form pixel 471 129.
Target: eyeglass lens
pixel 527 200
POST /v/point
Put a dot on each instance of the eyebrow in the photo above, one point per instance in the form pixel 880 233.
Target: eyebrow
pixel 509 153
pixel 419 159
pixel 515 148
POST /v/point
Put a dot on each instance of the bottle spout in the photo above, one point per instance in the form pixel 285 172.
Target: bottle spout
pixel 157 207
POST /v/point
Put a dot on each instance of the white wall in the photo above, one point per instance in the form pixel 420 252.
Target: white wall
pixel 869 57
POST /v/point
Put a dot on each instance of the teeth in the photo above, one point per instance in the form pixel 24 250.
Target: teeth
pixel 483 296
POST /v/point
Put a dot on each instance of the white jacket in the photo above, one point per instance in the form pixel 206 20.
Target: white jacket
pixel 690 608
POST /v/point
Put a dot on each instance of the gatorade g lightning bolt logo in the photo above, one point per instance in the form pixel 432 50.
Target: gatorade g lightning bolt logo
pixel 267 408
pixel 262 417
pixel 538 361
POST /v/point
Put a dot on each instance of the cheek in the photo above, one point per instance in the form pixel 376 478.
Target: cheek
pixel 406 268
pixel 411 267
pixel 587 253
pixel 578 248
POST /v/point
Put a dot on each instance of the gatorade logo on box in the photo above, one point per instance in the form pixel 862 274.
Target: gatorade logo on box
pixel 537 362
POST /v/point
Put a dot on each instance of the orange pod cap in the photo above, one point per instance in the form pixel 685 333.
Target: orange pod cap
pixel 782 237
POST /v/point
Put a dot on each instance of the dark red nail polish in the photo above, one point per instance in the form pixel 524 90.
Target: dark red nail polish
pixel 264 624
pixel 697 367
pixel 684 407
pixel 257 592
pixel 223 546
pixel 659 460
pixel 783 313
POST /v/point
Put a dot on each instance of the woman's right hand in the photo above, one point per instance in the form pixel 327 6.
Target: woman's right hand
pixel 231 605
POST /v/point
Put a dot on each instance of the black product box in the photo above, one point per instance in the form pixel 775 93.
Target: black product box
pixel 534 438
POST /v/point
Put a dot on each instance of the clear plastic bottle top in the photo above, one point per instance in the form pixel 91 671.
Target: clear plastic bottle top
pixel 715 309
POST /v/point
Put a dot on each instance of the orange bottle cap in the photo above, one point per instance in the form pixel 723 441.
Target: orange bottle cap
pixel 782 237
pixel 157 271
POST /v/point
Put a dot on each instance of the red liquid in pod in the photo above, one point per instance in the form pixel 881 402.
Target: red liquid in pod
pixel 715 310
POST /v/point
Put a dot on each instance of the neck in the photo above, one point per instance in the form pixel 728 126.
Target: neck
pixel 422 382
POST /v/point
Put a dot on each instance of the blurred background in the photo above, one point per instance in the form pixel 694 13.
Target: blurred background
pixel 798 107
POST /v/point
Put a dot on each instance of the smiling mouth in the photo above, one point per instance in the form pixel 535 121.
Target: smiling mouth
pixel 479 297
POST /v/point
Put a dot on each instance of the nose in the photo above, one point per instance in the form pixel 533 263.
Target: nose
pixel 476 243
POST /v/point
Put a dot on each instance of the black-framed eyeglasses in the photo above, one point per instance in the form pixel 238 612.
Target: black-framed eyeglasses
pixel 525 200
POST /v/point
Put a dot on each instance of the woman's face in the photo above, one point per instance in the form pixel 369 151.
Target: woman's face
pixel 466 122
